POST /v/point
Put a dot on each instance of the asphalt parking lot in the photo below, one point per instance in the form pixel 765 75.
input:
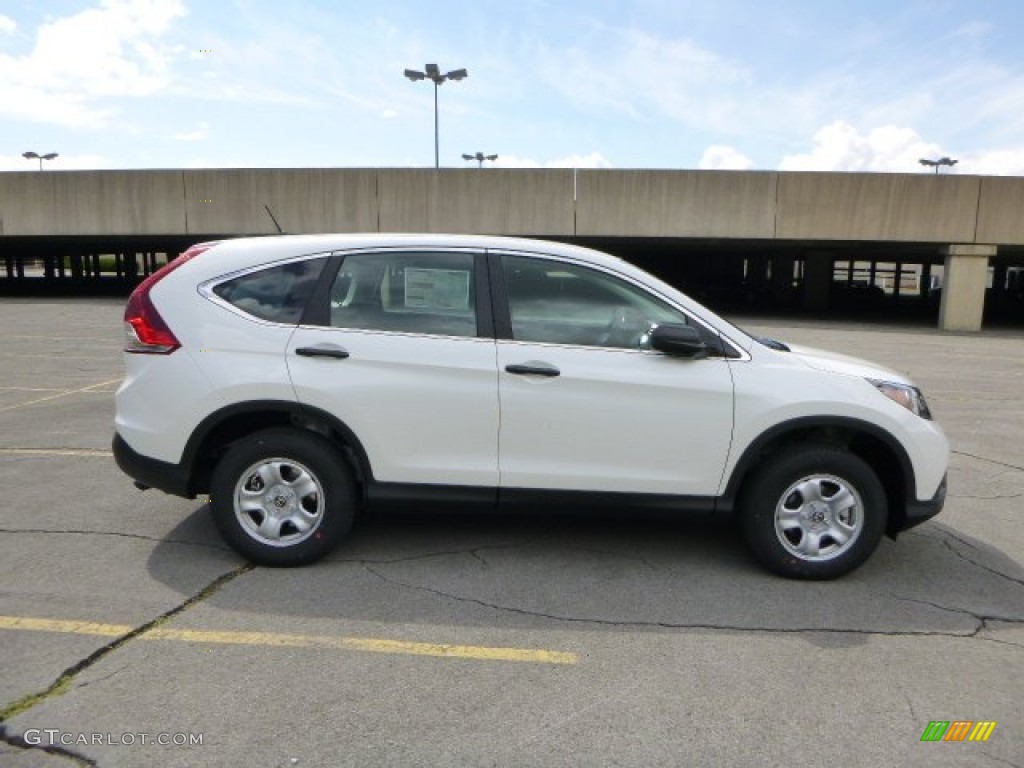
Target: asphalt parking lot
pixel 442 641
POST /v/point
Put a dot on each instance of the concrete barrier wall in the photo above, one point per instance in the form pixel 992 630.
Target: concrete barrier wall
pixel 676 203
pixel 876 206
pixel 698 204
pixel 91 203
pixel 475 201
pixel 1001 211
pixel 303 201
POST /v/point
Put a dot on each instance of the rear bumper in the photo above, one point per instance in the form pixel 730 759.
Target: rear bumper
pixel 919 511
pixel 152 473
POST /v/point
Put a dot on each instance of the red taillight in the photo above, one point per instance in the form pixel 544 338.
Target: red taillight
pixel 145 331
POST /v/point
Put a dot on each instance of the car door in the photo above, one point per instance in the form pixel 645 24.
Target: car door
pixel 405 357
pixel 585 405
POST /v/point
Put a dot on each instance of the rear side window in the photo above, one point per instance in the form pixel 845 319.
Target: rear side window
pixel 278 294
pixel 405 292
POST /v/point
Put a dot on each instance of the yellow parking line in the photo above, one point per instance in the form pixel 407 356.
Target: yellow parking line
pixel 33 389
pixel 92 452
pixel 66 627
pixel 64 393
pixel 369 644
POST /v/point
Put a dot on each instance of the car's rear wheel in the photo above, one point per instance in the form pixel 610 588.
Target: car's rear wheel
pixel 283 497
pixel 813 512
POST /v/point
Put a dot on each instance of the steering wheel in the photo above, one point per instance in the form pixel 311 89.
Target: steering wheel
pixel 626 328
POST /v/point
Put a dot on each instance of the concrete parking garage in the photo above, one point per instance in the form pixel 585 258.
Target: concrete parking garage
pixel 949 248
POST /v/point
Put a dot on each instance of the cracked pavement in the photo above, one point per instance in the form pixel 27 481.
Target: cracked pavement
pixel 687 653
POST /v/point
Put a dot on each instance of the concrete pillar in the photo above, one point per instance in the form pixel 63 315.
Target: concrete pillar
pixel 757 270
pixel 818 268
pixel 782 278
pixel 755 282
pixel 963 287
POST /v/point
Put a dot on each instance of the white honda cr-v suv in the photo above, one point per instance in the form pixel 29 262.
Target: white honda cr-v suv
pixel 298 379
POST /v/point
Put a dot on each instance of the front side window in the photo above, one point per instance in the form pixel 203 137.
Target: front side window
pixel 406 292
pixel 559 303
pixel 278 294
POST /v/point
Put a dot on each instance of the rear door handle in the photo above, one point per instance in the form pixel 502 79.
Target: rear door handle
pixel 533 369
pixel 323 350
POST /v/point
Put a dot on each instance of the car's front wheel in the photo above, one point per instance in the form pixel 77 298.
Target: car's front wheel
pixel 282 497
pixel 813 512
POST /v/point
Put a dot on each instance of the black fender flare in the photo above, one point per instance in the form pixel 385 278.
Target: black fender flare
pixel 752 454
pixel 295 413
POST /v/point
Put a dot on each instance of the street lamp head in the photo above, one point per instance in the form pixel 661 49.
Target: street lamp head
pixel 40 158
pixel 433 72
pixel 948 161
pixel 480 157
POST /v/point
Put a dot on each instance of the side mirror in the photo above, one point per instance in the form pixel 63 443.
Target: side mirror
pixel 679 341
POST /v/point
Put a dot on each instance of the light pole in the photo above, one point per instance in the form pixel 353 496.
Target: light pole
pixel 936 163
pixel 433 73
pixel 40 158
pixel 480 157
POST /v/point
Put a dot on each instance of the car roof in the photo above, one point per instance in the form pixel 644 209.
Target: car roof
pixel 240 253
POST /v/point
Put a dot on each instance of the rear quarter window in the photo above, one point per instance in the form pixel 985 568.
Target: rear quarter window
pixel 276 294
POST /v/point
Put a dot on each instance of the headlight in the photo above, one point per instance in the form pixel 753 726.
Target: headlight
pixel 909 397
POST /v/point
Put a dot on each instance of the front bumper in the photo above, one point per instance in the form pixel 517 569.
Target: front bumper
pixel 919 511
pixel 149 472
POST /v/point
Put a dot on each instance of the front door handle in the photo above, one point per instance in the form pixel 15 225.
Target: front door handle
pixel 323 350
pixel 533 369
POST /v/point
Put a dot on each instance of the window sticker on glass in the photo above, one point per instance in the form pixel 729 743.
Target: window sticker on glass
pixel 436 288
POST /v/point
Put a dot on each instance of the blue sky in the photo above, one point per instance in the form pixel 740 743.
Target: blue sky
pixel 786 84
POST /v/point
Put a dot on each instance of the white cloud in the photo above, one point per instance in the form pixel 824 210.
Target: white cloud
pixel 198 134
pixel 592 160
pixel 79 62
pixel 718 157
pixel 7 24
pixel 841 147
pixel 513 161
pixel 1000 162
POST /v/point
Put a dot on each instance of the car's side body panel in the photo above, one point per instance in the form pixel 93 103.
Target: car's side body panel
pixel 776 389
pixel 425 407
pixel 576 431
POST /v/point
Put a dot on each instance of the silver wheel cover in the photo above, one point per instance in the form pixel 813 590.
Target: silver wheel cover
pixel 819 517
pixel 279 502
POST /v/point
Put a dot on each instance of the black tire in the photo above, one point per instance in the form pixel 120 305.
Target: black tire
pixel 301 478
pixel 805 499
